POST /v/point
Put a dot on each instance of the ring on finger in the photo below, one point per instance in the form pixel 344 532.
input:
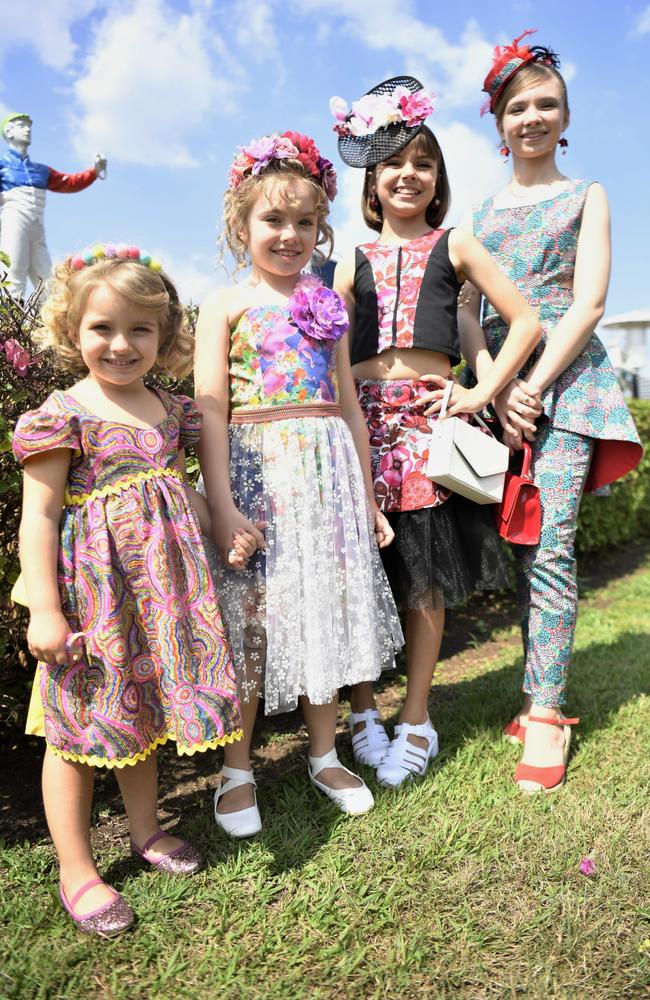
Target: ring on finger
pixel 232 553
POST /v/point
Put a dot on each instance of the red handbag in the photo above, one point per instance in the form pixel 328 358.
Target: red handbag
pixel 519 515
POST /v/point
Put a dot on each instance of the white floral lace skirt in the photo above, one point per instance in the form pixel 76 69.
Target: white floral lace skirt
pixel 315 611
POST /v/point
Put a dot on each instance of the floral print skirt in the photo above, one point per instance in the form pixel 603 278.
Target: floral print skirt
pixel 400 435
pixel 445 547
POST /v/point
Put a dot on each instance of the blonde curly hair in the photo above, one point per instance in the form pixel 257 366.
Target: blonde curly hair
pixel 276 177
pixel 68 294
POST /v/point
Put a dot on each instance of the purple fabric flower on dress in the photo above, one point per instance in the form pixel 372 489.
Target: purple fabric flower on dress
pixel 318 311
pixel 587 866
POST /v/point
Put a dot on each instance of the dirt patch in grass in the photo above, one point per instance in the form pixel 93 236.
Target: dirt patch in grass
pixel 477 632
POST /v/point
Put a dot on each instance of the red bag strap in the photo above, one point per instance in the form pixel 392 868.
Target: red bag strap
pixel 525 465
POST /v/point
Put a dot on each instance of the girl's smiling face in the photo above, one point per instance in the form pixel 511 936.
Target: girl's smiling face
pixel 405 183
pixel 118 339
pixel 534 118
pixel 282 228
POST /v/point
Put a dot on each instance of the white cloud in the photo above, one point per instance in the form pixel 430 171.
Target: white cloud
pixel 643 22
pixel 454 71
pixel 193 276
pixel 474 167
pixel 149 81
pixel 43 26
pixel 349 227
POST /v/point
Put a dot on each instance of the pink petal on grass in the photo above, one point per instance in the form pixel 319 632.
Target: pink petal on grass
pixel 587 866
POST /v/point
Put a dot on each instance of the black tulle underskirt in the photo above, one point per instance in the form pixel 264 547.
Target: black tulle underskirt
pixel 442 555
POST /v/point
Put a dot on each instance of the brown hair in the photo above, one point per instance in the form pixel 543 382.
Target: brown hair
pixel 68 294
pixel 428 144
pixel 529 74
pixel 238 204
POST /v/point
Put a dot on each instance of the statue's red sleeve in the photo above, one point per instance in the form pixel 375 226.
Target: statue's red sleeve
pixel 69 183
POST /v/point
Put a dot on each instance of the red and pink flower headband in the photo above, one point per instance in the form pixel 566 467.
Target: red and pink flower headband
pixel 259 153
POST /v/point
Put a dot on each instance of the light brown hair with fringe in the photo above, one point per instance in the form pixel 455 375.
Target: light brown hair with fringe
pixel 277 179
pixel 67 298
pixel 529 75
pixel 427 144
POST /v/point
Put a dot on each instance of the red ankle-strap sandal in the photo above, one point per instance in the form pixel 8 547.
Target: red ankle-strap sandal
pixel 549 779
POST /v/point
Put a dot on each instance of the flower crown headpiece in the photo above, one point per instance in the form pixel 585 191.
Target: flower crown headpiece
pixel 259 153
pixel 508 60
pixel 374 111
pixel 381 122
pixel 114 251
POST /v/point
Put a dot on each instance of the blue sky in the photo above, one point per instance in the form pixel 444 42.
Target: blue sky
pixel 168 89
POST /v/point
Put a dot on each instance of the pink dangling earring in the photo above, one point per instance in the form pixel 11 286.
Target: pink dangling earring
pixel 563 143
pixel 505 152
pixel 373 202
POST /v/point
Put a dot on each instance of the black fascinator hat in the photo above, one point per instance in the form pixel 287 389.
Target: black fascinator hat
pixel 381 122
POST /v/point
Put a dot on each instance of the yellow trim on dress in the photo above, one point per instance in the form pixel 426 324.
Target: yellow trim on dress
pixel 35 726
pixel 77 499
pixel 182 750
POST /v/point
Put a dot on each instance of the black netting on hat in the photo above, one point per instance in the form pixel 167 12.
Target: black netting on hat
pixel 368 150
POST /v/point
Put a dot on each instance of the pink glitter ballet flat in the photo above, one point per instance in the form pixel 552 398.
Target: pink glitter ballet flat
pixel 107 920
pixel 185 860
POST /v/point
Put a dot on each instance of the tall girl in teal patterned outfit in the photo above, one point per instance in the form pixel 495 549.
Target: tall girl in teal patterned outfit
pixel 550 235
pixel 124 618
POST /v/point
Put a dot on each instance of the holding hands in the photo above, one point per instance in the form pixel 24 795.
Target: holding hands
pixel 518 406
pixel 237 539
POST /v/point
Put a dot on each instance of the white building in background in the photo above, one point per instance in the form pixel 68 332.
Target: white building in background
pixel 627 339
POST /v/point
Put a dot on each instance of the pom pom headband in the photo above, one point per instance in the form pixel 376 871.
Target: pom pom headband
pixel 381 122
pixel 508 60
pixel 259 153
pixel 114 251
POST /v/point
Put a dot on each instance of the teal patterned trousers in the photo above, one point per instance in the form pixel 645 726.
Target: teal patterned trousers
pixel 546 573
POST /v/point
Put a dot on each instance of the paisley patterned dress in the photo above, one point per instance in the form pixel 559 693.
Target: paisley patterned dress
pixel 134 579
pixel 313 611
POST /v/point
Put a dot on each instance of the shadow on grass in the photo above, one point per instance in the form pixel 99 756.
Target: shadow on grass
pixel 297 820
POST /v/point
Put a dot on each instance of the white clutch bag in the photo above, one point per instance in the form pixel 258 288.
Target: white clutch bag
pixel 466 460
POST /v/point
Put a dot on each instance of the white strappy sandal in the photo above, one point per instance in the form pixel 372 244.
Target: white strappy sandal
pixel 349 800
pixel 369 745
pixel 404 760
pixel 245 822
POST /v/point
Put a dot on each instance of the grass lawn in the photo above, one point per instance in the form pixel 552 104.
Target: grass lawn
pixel 455 887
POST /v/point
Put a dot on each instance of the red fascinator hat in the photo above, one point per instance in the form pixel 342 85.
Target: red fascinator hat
pixel 507 60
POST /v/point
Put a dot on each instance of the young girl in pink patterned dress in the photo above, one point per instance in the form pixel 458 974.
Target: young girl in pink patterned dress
pixel 295 523
pixel 124 618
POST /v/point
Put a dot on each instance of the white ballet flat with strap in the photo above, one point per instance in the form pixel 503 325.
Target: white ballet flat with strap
pixel 349 800
pixel 404 760
pixel 369 745
pixel 245 822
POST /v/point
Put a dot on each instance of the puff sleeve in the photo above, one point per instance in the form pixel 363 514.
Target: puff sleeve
pixel 42 430
pixel 190 420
